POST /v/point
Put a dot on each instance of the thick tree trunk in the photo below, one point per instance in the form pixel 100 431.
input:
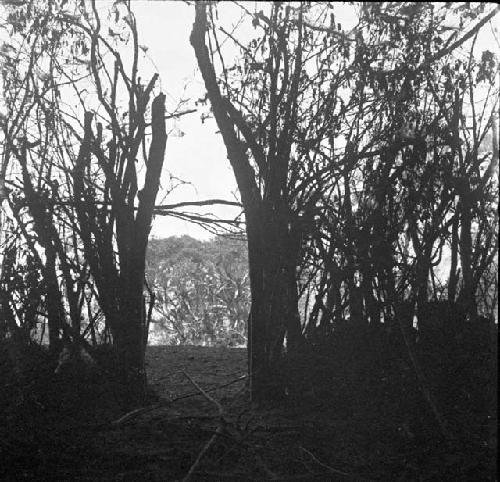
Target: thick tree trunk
pixel 467 295
pixel 257 330
pixel 128 340
pixel 293 324
pixel 120 284
pixel 372 309
pixel 130 329
pixel 53 299
pixel 274 310
pixel 453 279
pixel 422 279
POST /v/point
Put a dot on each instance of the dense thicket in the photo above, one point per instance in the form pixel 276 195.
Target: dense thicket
pixel 365 161
pixel 366 157
pixel 76 132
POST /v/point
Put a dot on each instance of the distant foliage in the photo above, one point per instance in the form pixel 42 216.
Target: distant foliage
pixel 202 291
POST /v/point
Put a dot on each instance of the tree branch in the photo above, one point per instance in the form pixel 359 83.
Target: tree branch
pixel 244 173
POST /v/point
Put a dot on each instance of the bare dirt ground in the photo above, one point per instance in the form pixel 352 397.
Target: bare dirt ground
pixel 353 418
pixel 370 422
pixel 211 368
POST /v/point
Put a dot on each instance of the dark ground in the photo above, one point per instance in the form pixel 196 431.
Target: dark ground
pixel 354 411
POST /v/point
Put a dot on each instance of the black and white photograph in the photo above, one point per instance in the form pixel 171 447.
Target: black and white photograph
pixel 249 241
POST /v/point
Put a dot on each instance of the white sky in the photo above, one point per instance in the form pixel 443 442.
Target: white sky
pixel 199 156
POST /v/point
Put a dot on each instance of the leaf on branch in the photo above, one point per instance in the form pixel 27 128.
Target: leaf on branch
pixel 487 67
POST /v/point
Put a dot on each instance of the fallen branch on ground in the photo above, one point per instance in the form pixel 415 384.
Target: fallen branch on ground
pixel 139 411
pixel 220 428
pixel 330 469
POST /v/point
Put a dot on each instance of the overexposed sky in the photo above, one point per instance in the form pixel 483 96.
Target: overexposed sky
pixel 198 156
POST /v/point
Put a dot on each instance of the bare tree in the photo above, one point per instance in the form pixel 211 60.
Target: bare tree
pixel 81 181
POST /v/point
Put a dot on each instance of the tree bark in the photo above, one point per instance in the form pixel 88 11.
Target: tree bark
pixel 129 332
pixel 453 278
pixel 272 255
pixel 120 285
pixel 467 295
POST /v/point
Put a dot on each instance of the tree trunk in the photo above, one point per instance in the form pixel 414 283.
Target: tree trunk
pixel 272 262
pixel 274 309
pixel 53 300
pixel 257 357
pixel 120 282
pixel 453 278
pixel 467 295
pixel 130 329
pixel 372 309
pixel 128 340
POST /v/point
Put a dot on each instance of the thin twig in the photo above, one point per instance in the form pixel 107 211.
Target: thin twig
pixel 139 411
pixel 213 389
pixel 325 466
pixel 219 430
pixel 176 115
pixel 204 393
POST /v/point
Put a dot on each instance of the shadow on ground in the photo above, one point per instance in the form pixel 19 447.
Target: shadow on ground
pixel 354 411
